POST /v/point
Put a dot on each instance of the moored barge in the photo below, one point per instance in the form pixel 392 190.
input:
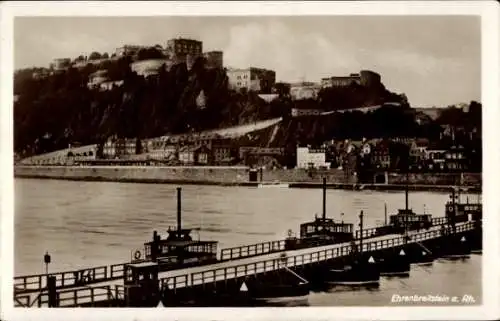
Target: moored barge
pixel 358 269
pixel 405 220
pixel 321 231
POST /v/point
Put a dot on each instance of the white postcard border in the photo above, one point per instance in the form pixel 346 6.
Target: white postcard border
pixel 490 100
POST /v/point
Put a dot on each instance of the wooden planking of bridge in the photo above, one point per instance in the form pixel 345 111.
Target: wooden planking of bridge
pixel 229 270
pixel 102 274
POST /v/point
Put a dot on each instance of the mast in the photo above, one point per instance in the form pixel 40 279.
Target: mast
pixel 385 213
pixel 179 227
pixel 406 204
pixel 454 212
pixel 406 191
pixel 361 232
pixel 324 199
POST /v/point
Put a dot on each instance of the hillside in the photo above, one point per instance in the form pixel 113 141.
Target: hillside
pixel 58 110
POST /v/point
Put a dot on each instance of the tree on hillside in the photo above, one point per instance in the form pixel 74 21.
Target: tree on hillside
pixel 105 55
pixel 404 99
pixel 149 53
pixel 95 56
pixel 475 115
pixel 452 116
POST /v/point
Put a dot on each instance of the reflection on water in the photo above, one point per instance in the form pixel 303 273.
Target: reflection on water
pixel 85 224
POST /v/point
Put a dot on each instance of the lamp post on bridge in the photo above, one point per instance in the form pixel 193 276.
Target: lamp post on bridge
pixel 51 283
pixel 46 260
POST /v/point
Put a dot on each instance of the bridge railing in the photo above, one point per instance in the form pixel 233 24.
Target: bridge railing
pixel 74 297
pixel 439 220
pixel 22 300
pixel 243 270
pixel 38 282
pixel 372 232
pixel 174 282
pixel 87 296
pixel 367 233
pixel 252 250
pixel 246 251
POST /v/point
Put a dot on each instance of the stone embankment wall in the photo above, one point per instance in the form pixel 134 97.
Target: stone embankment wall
pixel 137 174
pixel 465 179
pixel 307 176
pixel 225 175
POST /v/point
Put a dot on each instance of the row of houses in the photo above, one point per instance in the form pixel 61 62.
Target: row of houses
pixel 350 154
pixel 344 154
pixel 376 154
pixel 200 152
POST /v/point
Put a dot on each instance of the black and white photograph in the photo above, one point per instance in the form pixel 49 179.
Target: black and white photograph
pixel 194 155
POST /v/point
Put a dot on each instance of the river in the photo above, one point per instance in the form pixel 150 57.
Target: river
pixel 84 224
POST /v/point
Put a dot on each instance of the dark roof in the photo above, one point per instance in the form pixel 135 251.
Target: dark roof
pixel 183 243
pixel 187 148
pixel 142 264
pixel 328 222
pixel 383 144
pixel 422 142
pixel 201 148
pixel 356 143
pixel 437 146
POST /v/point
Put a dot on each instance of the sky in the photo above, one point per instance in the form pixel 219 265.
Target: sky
pixel 434 60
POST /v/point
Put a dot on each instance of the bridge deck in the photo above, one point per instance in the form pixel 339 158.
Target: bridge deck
pixel 229 270
pixel 279 246
pixel 271 262
pixel 104 274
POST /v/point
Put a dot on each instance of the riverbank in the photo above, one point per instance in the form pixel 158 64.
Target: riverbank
pixel 238 176
pixel 386 187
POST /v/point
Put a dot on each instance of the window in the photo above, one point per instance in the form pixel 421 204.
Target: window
pixel 130 275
